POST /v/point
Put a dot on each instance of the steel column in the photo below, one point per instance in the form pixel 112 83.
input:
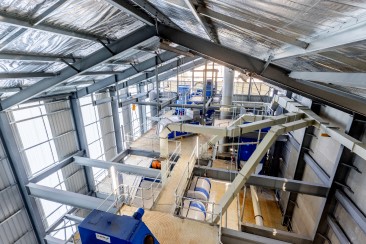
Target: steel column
pixel 82 141
pixel 19 172
pixel 116 121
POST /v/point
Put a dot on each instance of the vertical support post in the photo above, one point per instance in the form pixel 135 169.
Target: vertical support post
pixel 204 93
pixel 81 136
pixel 157 85
pixel 17 166
pixel 116 121
pixel 250 89
pixel 142 110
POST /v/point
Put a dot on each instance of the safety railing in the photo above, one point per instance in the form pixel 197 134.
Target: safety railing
pixel 150 143
pixel 210 213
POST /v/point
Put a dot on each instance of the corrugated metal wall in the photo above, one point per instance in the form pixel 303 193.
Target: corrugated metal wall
pixel 15 226
pixel 107 127
pixel 63 132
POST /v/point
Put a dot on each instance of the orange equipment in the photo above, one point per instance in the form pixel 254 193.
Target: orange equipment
pixel 156 164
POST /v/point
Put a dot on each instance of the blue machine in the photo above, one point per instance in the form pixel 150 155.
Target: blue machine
pixel 245 151
pixel 102 227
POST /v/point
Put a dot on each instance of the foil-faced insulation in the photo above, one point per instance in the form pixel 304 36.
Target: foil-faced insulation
pixel 96 17
pixel 181 16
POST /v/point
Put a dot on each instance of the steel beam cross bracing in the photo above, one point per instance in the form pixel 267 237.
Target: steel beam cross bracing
pixel 253 161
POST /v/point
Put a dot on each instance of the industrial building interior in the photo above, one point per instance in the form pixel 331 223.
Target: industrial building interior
pixel 182 121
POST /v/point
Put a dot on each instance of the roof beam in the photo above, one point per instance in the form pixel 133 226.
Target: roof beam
pixel 24 25
pixel 209 30
pixel 266 32
pixel 154 12
pixel 340 58
pixel 30 75
pixel 273 74
pixel 11 37
pixel 37 58
pixel 40 18
pixel 117 48
pixel 332 41
pixel 124 6
pixel 139 68
pixel 335 78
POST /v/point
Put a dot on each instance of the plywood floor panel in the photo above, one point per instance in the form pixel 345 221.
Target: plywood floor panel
pixel 169 229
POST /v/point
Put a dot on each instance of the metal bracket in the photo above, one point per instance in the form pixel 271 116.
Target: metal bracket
pixel 269 60
pixel 352 167
pixel 71 66
pixel 158 56
pixel 345 186
pixel 106 47
pixel 134 67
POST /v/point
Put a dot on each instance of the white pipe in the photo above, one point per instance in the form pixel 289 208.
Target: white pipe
pixel 256 207
pixel 227 90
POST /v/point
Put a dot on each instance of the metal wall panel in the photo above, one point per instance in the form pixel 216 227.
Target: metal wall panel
pixel 12 209
pixel 15 227
pixel 107 127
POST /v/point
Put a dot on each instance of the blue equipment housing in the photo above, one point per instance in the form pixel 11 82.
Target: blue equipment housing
pixel 101 227
pixel 245 151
